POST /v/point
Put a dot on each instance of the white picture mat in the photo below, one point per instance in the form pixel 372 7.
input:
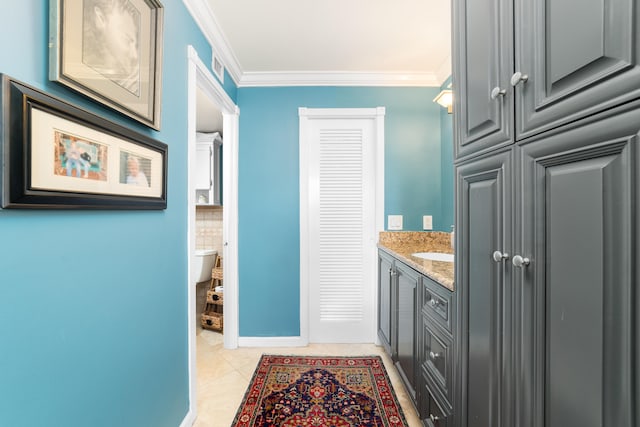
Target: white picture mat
pixel 43 128
pixel 75 68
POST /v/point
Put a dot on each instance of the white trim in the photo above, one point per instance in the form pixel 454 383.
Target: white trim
pixel 199 76
pixel 191 231
pixel 328 113
pixel 299 78
pixel 304 224
pixel 211 88
pixel 379 215
pixel 203 15
pixel 230 227
pixel 189 419
pixel 444 71
pixel 271 342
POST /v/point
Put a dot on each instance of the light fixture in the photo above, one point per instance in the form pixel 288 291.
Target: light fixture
pixel 445 99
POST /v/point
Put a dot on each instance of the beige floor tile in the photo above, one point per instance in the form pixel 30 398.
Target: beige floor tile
pixel 224 375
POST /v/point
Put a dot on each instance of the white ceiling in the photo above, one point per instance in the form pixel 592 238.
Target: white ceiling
pixel 329 42
pixel 208 115
pixel 406 40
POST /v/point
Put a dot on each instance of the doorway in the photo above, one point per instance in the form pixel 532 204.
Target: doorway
pixel 204 92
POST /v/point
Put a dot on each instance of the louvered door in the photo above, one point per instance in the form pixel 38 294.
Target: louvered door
pixel 341 232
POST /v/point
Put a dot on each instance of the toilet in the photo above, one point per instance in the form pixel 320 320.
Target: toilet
pixel 202 264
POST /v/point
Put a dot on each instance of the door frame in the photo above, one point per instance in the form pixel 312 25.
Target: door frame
pixel 199 77
pixel 305 115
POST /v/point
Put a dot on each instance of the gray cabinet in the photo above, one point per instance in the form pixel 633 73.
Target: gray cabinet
pixel 416 327
pixel 408 281
pixel 484 290
pixel 547 127
pixel 547 283
pixel 436 355
pixel 580 57
pixel 577 298
pixel 386 301
pixel 522 67
pixel 482 61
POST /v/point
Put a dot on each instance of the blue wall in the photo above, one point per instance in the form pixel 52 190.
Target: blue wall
pixel 269 235
pixel 93 305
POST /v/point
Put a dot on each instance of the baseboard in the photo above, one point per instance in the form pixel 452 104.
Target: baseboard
pixel 271 342
pixel 189 419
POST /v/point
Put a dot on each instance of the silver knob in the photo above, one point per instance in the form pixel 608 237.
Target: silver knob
pixel 518 261
pixel 499 256
pixel 434 302
pixel 518 77
pixel 434 418
pixel 496 92
pixel 434 355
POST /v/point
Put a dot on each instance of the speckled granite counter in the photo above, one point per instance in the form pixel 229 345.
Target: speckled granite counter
pixel 401 244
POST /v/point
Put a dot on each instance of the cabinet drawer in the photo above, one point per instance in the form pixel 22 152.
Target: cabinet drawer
pixel 434 414
pixel 436 302
pixel 436 360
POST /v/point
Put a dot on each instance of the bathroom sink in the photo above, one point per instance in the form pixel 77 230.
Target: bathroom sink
pixel 434 256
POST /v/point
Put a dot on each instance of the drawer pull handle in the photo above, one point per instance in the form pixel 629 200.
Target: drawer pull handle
pixel 518 78
pixel 434 418
pixel 519 261
pixel 434 302
pixel 496 92
pixel 499 256
pixel 433 355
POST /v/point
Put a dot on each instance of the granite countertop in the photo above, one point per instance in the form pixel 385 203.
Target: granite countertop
pixel 401 244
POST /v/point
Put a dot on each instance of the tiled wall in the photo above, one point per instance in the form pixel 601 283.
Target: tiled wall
pixel 209 228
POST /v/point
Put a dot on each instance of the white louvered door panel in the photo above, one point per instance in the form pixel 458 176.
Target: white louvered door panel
pixel 341 214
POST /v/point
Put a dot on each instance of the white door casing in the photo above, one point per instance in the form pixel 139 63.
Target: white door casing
pixel 341 210
pixel 199 77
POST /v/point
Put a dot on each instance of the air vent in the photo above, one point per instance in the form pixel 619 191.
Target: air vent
pixel 218 68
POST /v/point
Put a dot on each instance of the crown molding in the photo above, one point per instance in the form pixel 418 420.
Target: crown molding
pixel 257 79
pixel 444 71
pixel 203 15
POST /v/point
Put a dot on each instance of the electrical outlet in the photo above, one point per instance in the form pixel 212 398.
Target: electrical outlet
pixel 427 222
pixel 394 222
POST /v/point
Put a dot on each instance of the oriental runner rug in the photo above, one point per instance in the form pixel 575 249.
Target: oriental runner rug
pixel 315 391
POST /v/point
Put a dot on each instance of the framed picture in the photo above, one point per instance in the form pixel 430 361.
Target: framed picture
pixel 57 156
pixel 111 51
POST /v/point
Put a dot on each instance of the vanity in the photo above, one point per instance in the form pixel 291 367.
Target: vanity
pixel 416 312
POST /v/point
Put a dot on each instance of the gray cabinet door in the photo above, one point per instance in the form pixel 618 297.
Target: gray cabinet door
pixel 483 291
pixel 407 317
pixel 386 300
pixel 578 298
pixel 483 61
pixel 580 56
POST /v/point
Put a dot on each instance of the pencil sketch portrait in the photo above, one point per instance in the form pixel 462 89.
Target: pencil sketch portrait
pixel 111 41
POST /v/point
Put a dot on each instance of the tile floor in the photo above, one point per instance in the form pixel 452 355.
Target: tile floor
pixel 224 375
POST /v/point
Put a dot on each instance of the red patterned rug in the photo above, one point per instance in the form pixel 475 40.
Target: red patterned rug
pixel 314 391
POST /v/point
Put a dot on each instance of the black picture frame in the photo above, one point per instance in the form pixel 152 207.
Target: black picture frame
pixel 55 155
